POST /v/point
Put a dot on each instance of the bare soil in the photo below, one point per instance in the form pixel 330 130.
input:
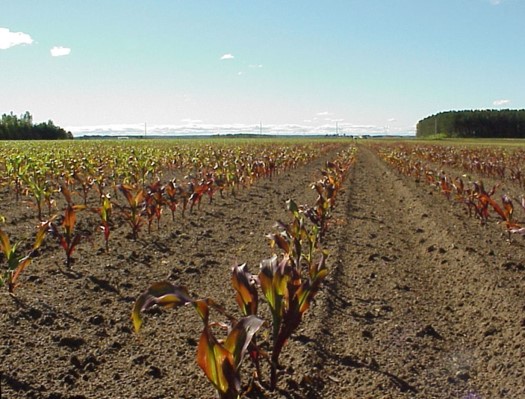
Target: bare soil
pixel 421 301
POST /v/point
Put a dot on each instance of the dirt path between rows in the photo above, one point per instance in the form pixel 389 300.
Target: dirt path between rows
pixel 421 302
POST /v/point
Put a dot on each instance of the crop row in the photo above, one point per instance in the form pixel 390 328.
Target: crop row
pixel 108 184
pixel 39 170
pixel 426 163
pixel 503 163
pixel 286 283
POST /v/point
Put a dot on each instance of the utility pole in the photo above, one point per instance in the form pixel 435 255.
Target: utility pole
pixel 145 129
pixel 260 127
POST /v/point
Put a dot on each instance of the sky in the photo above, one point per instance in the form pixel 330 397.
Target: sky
pixel 271 66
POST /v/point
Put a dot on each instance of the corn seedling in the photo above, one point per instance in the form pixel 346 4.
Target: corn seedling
pixel 133 212
pixel 16 264
pixel 203 187
pixel 65 231
pixel 104 211
pixel 219 360
pixel 154 201
pixel 86 183
pixel 288 282
pixel 16 167
pixel 289 293
pixel 171 192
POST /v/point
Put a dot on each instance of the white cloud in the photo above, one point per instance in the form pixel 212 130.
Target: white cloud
pixel 227 57
pixel 255 66
pixel 60 51
pixel 239 73
pixel 194 127
pixel 10 39
pixel 324 113
pixel 499 103
pixel 496 2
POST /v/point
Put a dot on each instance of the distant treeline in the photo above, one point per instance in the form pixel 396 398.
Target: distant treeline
pixel 483 123
pixel 22 128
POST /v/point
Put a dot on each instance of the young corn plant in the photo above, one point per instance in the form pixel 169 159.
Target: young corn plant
pixel 104 211
pixel 133 213
pixel 16 167
pixel 154 201
pixel 506 213
pixel 65 231
pixel 15 263
pixel 220 360
pixel 86 182
pixel 171 193
pixel 247 298
pixel 38 186
pixel 203 187
pixel 290 282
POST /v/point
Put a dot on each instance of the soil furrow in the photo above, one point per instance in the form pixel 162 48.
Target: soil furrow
pixel 415 308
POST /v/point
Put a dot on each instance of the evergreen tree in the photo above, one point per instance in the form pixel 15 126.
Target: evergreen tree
pixel 14 128
pixel 478 123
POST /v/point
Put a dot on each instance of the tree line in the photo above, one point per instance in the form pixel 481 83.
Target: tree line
pixel 13 127
pixel 481 123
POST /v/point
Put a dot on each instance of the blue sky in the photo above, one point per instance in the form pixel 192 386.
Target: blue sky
pixel 369 66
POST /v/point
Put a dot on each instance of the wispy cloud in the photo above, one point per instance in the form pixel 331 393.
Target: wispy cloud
pixel 59 51
pixel 10 39
pixel 496 2
pixel 194 127
pixel 499 103
pixel 324 113
pixel 227 57
pixel 255 66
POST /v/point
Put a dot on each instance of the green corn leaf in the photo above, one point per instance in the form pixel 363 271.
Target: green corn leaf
pixel 292 207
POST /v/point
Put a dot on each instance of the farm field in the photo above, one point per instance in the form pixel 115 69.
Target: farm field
pixel 421 300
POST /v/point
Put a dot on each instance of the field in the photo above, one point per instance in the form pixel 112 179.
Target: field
pixel 424 296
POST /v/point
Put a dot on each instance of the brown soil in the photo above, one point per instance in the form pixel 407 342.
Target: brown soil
pixel 421 301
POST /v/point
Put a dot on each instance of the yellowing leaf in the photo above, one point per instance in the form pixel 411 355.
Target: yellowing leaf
pixel 240 337
pixel 162 293
pixel 216 362
pixel 244 285
pixel 4 241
